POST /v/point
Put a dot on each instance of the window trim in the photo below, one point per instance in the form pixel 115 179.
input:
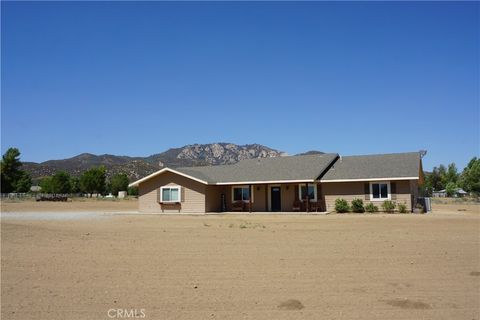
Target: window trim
pixel 300 185
pixel 389 191
pixel 242 186
pixel 179 188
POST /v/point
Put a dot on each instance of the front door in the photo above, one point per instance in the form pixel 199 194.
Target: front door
pixel 275 198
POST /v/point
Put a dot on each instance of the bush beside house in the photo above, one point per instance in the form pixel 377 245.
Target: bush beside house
pixel 388 206
pixel 371 208
pixel 341 205
pixel 402 208
pixel 357 206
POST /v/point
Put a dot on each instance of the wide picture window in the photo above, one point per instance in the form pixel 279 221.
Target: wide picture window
pixel 379 191
pixel 170 194
pixel 241 194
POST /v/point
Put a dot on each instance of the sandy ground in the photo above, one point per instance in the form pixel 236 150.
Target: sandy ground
pixel 76 205
pixel 239 267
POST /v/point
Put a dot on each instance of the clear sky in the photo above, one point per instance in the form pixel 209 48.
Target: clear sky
pixel 138 78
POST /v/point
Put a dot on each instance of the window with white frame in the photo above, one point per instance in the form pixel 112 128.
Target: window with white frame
pixel 170 194
pixel 241 193
pixel 380 191
pixel 312 192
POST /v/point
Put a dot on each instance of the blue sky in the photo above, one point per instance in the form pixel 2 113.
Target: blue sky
pixel 138 78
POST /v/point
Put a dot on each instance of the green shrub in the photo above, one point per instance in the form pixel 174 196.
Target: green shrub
pixel 341 205
pixel 402 208
pixel 371 208
pixel 357 206
pixel 388 206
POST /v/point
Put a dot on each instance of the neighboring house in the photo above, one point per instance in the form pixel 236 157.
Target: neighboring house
pixel 291 183
pixel 459 193
pixel 35 189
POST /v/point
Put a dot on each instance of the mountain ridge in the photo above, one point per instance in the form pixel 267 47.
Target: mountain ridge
pixel 137 167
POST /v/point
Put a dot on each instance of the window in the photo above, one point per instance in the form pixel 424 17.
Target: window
pixel 380 191
pixel 170 194
pixel 312 192
pixel 241 193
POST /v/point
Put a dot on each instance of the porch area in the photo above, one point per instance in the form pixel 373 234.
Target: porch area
pixel 274 197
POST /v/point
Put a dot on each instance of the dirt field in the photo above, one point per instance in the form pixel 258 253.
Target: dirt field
pixel 242 267
pixel 75 205
pixel 442 206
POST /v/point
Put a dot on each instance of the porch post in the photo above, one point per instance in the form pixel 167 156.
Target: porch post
pixel 266 197
pixel 308 200
pixel 250 198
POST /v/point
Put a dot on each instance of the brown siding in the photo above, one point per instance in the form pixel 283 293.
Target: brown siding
pixel 355 190
pixel 213 198
pixel 259 201
pixel 193 194
pixel 288 196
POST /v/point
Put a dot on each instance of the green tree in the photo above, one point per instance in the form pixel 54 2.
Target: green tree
pixel 433 181
pixel 470 178
pixel 118 182
pixel 132 191
pixel 442 172
pixel 450 189
pixel 13 179
pixel 93 180
pixel 61 182
pixel 46 185
pixel 23 183
pixel 452 174
pixel 75 184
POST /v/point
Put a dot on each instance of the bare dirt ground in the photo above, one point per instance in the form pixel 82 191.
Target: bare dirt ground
pixel 75 205
pixel 449 206
pixel 243 267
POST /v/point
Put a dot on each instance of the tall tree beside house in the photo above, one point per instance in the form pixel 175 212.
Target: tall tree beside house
pixel 118 182
pixel 93 180
pixel 13 179
pixel 433 181
pixel 451 176
pixel 442 172
pixel 470 178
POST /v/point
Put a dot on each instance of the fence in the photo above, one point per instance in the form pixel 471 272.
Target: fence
pixel 39 195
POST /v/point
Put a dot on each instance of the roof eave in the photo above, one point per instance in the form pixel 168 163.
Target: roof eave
pixel 159 172
pixel 368 179
pixel 263 182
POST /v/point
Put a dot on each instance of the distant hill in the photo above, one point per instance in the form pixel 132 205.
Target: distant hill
pixel 310 152
pixel 137 167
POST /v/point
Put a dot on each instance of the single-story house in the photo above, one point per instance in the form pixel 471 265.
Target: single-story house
pixel 283 184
